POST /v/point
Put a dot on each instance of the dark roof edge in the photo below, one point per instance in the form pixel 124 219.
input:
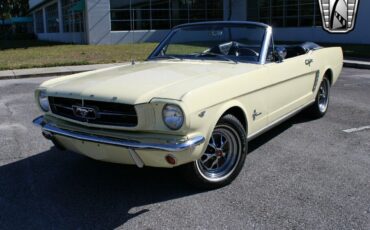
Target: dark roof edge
pixel 222 22
pixel 39 5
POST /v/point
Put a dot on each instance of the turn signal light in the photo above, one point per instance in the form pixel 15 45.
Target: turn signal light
pixel 170 159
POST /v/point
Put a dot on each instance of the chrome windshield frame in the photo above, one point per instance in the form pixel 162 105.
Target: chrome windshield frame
pixel 265 43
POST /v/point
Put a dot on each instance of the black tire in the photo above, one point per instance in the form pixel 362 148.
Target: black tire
pixel 319 108
pixel 228 146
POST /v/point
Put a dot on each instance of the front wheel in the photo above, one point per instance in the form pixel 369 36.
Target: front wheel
pixel 223 158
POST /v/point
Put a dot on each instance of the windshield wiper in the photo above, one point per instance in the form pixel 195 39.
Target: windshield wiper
pixel 168 56
pixel 216 55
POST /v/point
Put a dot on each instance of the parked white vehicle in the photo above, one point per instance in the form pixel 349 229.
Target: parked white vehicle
pixel 204 92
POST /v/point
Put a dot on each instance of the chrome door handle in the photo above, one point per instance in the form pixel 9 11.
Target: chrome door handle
pixel 308 62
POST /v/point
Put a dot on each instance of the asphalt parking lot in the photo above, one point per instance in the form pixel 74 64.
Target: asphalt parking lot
pixel 303 174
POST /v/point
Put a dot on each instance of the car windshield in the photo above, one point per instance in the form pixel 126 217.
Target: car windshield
pixel 228 42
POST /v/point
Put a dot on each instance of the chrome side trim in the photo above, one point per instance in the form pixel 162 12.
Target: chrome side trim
pixel 129 144
pixel 316 80
pixel 278 121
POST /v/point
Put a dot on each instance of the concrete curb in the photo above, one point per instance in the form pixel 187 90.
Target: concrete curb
pixel 13 76
pixel 356 64
pixel 52 71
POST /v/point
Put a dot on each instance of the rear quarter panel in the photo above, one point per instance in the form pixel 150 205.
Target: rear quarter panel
pixel 329 59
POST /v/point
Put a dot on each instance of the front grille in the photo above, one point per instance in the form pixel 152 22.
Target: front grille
pixel 105 113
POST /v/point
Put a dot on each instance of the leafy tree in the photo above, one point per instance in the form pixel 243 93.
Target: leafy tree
pixel 19 8
pixel 4 10
pixel 13 8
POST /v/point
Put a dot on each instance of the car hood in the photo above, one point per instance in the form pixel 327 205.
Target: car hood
pixel 139 83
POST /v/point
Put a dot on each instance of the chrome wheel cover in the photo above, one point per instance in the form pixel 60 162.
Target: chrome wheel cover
pixel 222 154
pixel 323 96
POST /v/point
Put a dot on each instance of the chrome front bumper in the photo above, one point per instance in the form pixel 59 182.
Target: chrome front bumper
pixel 52 129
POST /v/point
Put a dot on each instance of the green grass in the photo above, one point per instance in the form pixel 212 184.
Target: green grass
pixel 178 49
pixel 33 54
pixel 20 54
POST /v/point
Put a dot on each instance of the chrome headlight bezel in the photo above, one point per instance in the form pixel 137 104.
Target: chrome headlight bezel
pixel 173 116
pixel 43 101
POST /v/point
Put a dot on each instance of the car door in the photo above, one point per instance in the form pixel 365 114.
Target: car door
pixel 291 85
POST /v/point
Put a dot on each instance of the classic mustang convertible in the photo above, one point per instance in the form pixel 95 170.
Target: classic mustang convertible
pixel 204 92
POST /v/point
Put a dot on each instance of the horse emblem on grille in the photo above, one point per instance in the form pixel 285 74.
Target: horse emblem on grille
pixel 338 16
pixel 84 112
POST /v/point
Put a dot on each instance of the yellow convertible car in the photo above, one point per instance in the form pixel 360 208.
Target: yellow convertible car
pixel 205 91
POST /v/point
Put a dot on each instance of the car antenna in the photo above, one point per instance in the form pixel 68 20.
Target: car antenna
pixel 132 35
pixel 132 44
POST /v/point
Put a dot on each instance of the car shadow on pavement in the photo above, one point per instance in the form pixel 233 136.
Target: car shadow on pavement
pixel 63 190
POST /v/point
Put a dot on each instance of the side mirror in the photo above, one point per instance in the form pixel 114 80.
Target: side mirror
pixel 280 53
pixel 163 51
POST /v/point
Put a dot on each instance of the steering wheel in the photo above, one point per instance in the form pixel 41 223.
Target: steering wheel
pixel 232 49
pixel 252 51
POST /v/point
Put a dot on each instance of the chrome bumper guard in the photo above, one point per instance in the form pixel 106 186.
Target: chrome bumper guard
pixel 51 128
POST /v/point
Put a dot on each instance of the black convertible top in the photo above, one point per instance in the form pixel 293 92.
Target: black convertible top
pixel 299 49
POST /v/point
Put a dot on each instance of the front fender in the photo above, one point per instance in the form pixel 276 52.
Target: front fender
pixel 205 120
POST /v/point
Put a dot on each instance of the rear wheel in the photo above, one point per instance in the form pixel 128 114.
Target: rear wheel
pixel 319 108
pixel 223 158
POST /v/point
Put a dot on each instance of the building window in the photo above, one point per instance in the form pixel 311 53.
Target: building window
pixel 72 15
pixel 39 21
pixel 52 18
pixel 285 13
pixel 162 14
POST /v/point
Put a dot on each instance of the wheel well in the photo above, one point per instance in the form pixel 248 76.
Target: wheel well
pixel 329 75
pixel 239 114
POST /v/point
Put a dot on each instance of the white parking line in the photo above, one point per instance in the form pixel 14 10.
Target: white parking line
pixel 356 129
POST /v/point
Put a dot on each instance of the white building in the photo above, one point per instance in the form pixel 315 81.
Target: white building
pixel 123 21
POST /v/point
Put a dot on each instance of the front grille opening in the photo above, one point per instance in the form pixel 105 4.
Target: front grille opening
pixel 107 113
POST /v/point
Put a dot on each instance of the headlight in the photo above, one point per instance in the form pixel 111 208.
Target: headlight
pixel 173 116
pixel 43 101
